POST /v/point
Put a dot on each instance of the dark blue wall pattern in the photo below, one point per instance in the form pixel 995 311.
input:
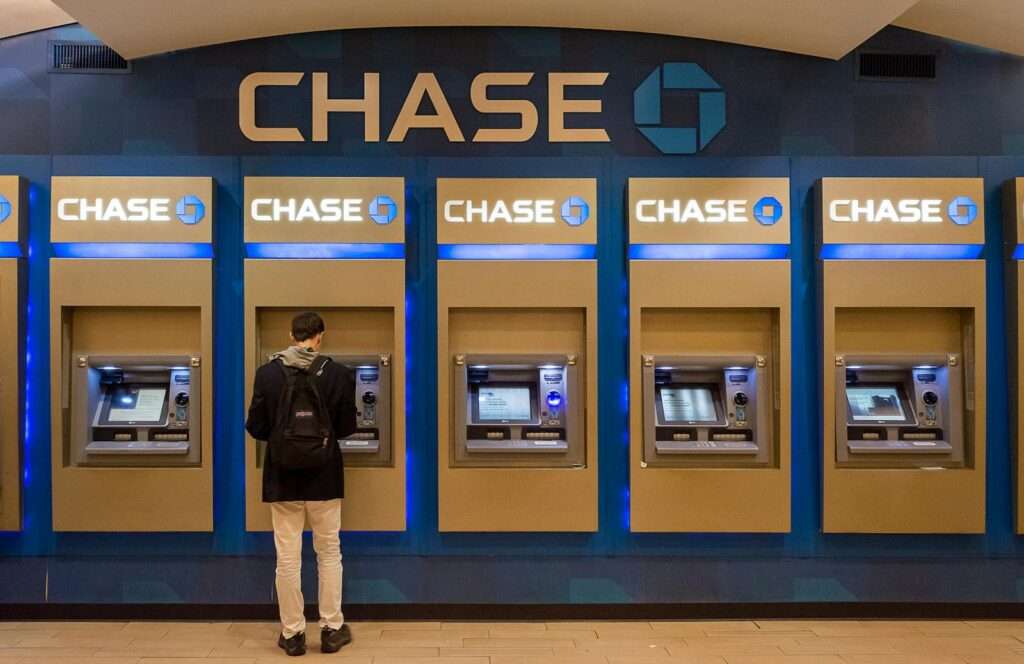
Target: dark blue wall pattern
pixel 787 115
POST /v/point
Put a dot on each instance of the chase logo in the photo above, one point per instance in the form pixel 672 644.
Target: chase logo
pixel 383 210
pixel 768 211
pixel 190 210
pixel 963 210
pixel 5 209
pixel 679 76
pixel 575 211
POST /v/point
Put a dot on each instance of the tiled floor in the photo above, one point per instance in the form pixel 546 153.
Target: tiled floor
pixel 740 642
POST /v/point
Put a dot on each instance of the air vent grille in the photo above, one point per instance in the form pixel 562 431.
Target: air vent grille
pixel 895 66
pixel 79 57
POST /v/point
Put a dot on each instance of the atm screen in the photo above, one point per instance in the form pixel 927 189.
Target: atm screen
pixel 688 405
pixel 137 405
pixel 503 403
pixel 875 403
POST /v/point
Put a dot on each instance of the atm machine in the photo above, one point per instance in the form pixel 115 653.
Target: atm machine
pixel 131 329
pixel 900 411
pixel 289 239
pixel 370 444
pixel 135 411
pixel 903 339
pixel 707 408
pixel 710 359
pixel 517 409
pixel 13 233
pixel 517 358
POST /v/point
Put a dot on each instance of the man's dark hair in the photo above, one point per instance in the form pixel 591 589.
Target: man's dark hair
pixel 307 325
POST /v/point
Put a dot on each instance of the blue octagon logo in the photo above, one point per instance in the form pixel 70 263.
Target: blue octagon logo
pixel 575 211
pixel 768 211
pixel 679 76
pixel 963 210
pixel 5 209
pixel 383 210
pixel 190 210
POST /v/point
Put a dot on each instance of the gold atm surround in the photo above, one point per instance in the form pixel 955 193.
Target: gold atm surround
pixel 1013 237
pixel 12 308
pixel 904 308
pixel 716 318
pixel 471 320
pixel 359 320
pixel 88 320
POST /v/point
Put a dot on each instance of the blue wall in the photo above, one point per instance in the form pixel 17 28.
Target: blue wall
pixel 788 116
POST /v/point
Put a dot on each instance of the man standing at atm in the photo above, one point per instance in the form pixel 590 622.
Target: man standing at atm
pixel 302 403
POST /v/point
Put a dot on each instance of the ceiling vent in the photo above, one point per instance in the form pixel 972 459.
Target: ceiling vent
pixel 896 66
pixel 85 57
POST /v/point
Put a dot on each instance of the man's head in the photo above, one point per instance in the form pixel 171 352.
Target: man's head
pixel 308 330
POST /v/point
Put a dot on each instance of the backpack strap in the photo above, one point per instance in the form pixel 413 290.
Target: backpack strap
pixel 316 371
pixel 285 403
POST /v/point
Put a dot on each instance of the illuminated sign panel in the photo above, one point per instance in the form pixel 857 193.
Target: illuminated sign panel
pixel 516 211
pixel 132 209
pixel 10 208
pixel 331 210
pixel 709 211
pixel 902 211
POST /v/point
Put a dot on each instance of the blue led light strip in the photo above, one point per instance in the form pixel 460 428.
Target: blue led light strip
pixel 366 250
pixel 697 252
pixel 1018 252
pixel 901 251
pixel 10 250
pixel 516 252
pixel 132 250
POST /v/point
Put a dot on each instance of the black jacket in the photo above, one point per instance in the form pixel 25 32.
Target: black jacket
pixel 337 387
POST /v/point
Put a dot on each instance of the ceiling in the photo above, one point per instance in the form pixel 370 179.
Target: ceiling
pixel 21 16
pixel 824 28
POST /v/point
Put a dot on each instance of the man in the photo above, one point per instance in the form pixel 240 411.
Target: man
pixel 302 403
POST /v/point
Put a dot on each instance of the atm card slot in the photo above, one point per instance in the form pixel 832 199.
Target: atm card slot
pixel 137 448
pixel 363 441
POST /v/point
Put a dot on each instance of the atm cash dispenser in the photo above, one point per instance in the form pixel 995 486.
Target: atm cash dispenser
pixel 13 220
pixel 900 411
pixel 517 409
pixel 131 328
pixel 903 341
pixel 707 408
pixel 517 351
pixel 129 411
pixel 709 340
pixel 291 237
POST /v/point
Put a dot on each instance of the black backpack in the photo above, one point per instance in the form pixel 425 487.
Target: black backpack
pixel 303 436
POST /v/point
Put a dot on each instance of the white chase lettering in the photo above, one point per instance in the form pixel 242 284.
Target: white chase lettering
pixel 114 209
pixel 902 211
pixel 521 211
pixel 323 210
pixel 711 211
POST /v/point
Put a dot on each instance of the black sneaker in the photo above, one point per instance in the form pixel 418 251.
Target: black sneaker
pixel 333 640
pixel 294 646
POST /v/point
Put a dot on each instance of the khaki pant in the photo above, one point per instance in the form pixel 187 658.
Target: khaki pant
pixel 325 519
